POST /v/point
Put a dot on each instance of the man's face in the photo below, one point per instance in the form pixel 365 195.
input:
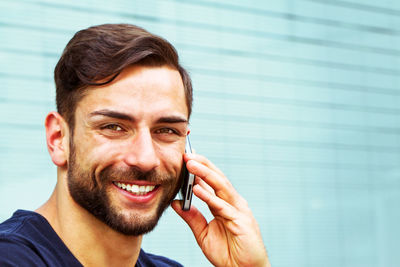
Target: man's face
pixel 126 150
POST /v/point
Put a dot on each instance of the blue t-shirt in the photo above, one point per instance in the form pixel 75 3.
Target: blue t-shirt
pixel 27 239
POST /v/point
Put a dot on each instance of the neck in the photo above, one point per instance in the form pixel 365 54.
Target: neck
pixel 91 241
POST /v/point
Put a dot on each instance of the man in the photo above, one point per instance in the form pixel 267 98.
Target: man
pixel 118 142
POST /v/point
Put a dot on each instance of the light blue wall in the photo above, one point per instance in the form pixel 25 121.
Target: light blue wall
pixel 296 101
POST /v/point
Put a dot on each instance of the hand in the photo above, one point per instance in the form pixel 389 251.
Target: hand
pixel 233 237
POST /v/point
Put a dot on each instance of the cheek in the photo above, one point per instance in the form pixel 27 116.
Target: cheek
pixel 172 160
pixel 97 153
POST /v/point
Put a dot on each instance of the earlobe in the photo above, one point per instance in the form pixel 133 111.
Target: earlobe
pixel 56 132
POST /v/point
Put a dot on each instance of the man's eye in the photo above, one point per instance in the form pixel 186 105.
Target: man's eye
pixel 112 127
pixel 166 131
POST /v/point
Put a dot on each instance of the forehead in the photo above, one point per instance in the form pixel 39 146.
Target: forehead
pixel 141 91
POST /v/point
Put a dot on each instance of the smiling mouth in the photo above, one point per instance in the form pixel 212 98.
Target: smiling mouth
pixel 138 190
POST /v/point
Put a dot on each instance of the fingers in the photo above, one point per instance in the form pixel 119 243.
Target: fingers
pixel 204 161
pixel 213 177
pixel 217 206
pixel 203 184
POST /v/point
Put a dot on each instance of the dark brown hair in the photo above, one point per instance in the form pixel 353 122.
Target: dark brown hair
pixel 100 53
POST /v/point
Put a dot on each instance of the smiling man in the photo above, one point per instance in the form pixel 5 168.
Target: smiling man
pixel 118 141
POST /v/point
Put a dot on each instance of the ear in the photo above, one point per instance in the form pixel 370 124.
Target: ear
pixel 57 138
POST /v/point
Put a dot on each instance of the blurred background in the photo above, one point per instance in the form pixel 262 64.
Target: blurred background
pixel 297 101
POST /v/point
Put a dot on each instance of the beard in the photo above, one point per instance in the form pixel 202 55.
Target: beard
pixel 92 192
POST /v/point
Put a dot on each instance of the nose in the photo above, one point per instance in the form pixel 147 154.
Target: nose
pixel 141 152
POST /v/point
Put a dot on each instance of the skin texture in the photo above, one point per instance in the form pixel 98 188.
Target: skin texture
pixel 137 125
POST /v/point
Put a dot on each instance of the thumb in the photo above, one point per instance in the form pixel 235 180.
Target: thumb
pixel 193 217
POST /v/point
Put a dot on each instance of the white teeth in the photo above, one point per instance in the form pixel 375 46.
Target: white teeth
pixel 136 189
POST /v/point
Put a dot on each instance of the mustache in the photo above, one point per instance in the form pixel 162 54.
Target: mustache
pixel 134 174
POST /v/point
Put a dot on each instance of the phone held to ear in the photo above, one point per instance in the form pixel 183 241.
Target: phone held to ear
pixel 188 181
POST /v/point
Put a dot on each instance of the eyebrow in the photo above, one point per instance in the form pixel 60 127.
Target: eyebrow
pixel 127 117
pixel 172 119
pixel 112 114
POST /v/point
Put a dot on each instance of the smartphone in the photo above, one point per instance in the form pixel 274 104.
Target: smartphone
pixel 188 181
